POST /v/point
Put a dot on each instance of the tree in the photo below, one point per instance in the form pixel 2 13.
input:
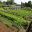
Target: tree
pixel 26 4
pixel 22 5
pixel 29 3
pixel 10 1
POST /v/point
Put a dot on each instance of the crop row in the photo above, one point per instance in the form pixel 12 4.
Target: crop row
pixel 16 21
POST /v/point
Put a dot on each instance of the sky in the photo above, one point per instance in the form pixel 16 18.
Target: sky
pixel 18 1
pixel 3 0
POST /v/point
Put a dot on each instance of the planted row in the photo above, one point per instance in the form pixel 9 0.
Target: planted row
pixel 16 21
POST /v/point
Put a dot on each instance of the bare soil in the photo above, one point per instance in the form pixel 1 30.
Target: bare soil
pixel 3 28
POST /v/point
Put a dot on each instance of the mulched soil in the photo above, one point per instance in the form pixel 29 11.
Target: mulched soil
pixel 3 28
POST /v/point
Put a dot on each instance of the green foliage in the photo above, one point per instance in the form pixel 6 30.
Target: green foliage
pixel 15 18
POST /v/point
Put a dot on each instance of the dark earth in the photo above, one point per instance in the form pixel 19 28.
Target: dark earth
pixel 3 28
pixel 29 28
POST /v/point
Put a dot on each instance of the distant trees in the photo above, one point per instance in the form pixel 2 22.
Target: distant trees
pixel 22 4
pixel 10 2
pixel 27 4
